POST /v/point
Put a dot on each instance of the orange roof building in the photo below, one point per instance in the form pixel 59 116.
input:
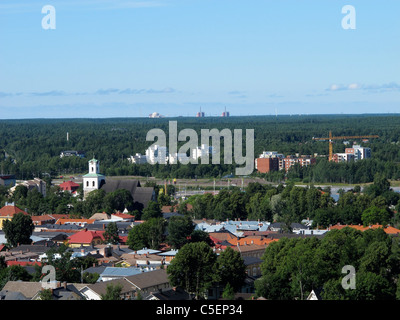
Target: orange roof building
pixel 78 222
pixel 387 229
pixel 258 240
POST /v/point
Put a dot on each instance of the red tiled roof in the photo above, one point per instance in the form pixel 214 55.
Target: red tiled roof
pixel 10 210
pixel 123 215
pixel 388 229
pixel 60 216
pixel 85 236
pixel 64 221
pixel 69 185
pixel 43 218
pixel 22 263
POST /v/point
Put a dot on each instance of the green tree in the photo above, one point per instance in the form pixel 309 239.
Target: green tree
pixel 375 215
pixel 228 292
pixel 13 273
pixel 152 210
pixel 148 234
pixel 113 292
pixel 67 269
pixel 46 294
pixel 118 201
pixel 19 229
pixel 231 269
pixel 193 268
pixel 179 230
pixel 111 233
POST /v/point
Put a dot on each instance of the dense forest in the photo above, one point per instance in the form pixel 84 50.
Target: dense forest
pixel 31 148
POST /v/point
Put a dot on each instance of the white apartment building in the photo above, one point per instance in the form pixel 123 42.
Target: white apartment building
pixel 203 151
pixel 181 157
pixel 359 152
pixel 157 154
pixel 138 158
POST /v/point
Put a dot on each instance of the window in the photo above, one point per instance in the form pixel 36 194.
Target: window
pixel 93 183
pixel 87 183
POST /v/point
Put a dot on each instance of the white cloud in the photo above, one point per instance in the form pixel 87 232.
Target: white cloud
pixel 392 86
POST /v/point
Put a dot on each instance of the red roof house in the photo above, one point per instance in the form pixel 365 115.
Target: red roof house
pixel 10 209
pixel 69 186
pixel 86 238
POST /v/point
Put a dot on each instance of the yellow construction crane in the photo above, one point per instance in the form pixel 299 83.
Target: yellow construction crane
pixel 341 138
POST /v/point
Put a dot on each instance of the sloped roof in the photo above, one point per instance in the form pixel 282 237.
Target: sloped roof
pixel 128 184
pixel 85 236
pixel 120 272
pixel 10 210
pixel 149 279
pixel 143 195
pixel 101 287
pixel 100 216
pixel 68 185
pixel 388 229
pixel 27 288
pixel 65 221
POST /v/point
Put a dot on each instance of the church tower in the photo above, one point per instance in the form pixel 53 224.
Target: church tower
pixel 93 180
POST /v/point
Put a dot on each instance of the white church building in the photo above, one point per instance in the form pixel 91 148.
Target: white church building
pixel 94 179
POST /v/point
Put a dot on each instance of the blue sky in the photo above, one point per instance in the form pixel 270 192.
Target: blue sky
pixel 126 58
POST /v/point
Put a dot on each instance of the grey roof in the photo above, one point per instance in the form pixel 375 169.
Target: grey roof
pixel 61 227
pixel 171 294
pixel 293 225
pixel 248 260
pixel 140 195
pixel 101 287
pixel 128 184
pixel 98 269
pixel 11 295
pixel 144 195
pixel 100 225
pixel 167 215
pixel 149 279
pixel 36 248
pixel 28 289
pixel 120 272
pixel 71 292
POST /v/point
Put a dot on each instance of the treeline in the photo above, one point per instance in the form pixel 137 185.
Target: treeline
pixel 375 204
pixel 31 148
pixel 345 264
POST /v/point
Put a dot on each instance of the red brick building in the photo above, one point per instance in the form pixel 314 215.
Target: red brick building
pixel 265 165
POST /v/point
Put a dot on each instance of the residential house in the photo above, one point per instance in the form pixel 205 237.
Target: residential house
pixel 78 222
pixel 148 282
pixel 8 211
pixel 96 290
pixel 85 238
pixel 112 273
pixel 43 219
pixel 69 186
